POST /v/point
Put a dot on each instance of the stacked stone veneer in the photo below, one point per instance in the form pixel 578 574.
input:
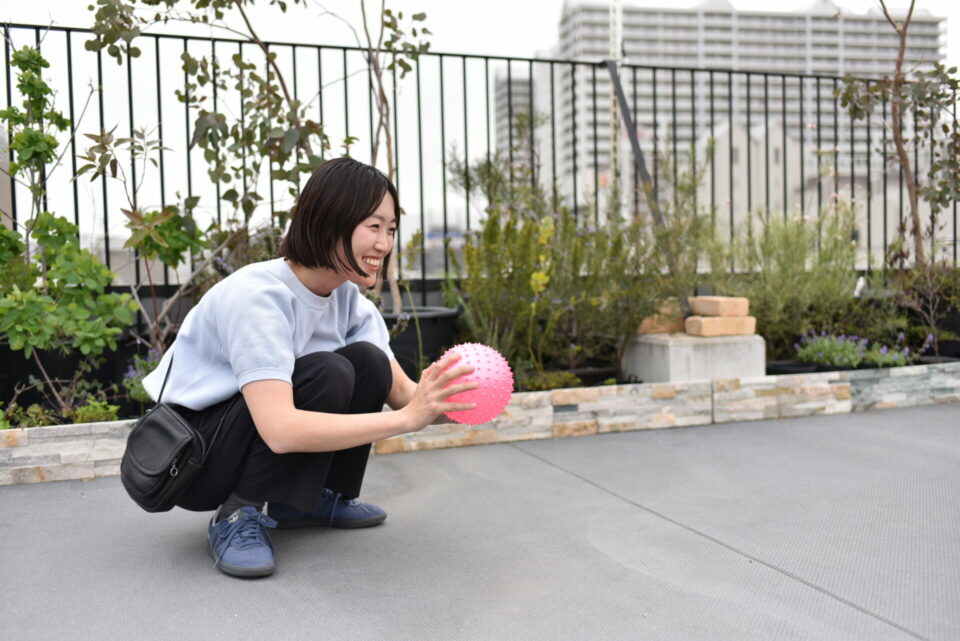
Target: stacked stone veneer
pixel 62 452
pixel 39 454
pixel 619 408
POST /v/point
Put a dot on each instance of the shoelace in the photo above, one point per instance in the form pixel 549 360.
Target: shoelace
pixel 336 498
pixel 249 531
pixel 333 508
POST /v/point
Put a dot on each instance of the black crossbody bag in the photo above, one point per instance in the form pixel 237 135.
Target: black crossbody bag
pixel 164 455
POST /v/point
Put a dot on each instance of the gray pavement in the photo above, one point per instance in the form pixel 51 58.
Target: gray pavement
pixel 843 527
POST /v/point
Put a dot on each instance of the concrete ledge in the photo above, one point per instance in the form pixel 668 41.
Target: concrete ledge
pixel 59 453
pixel 656 358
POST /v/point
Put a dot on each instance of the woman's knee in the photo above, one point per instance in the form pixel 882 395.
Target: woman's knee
pixel 323 375
pixel 370 363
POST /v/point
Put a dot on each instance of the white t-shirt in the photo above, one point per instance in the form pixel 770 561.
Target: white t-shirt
pixel 252 326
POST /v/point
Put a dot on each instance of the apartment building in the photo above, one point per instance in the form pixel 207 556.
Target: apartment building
pixel 689 73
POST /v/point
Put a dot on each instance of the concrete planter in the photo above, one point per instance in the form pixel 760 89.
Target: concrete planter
pixel 38 454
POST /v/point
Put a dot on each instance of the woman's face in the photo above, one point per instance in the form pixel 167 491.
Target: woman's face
pixel 372 241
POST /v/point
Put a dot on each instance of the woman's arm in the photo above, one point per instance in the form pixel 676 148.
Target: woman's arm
pixel 284 428
pixel 403 387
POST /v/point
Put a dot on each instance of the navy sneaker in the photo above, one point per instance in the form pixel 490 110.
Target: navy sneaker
pixel 333 511
pixel 239 543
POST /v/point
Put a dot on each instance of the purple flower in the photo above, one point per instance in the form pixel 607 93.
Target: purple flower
pixel 900 337
pixel 884 350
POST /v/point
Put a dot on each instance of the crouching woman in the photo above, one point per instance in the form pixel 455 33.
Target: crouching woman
pixel 284 366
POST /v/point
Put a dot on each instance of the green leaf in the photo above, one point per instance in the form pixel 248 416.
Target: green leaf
pixel 290 139
pixel 136 238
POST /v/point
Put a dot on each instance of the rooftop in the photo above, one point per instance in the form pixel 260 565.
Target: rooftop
pixel 840 527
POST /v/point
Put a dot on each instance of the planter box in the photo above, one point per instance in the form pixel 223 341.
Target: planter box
pixel 91 450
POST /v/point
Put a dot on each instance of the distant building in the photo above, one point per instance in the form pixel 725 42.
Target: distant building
pixel 512 104
pixel 674 108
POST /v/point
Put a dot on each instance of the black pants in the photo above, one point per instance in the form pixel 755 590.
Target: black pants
pixel 355 379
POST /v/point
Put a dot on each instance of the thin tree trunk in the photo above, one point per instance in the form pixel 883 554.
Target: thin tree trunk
pixel 897 116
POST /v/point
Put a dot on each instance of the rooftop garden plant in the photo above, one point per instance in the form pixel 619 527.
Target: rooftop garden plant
pixel 53 292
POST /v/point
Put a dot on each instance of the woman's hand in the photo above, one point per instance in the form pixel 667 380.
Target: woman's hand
pixel 430 397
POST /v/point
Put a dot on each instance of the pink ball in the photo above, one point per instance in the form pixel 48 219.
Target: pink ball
pixel 492 372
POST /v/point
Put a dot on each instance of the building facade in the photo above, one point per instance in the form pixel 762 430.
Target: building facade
pixel 690 74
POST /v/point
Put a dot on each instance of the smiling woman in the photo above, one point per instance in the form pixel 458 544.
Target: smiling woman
pixel 284 368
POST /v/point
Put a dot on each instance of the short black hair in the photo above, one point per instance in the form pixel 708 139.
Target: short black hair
pixel 340 194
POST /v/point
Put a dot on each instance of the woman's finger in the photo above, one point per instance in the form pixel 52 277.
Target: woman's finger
pixel 439 367
pixel 458 407
pixel 458 388
pixel 453 374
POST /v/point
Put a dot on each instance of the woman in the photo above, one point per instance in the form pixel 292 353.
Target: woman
pixel 285 366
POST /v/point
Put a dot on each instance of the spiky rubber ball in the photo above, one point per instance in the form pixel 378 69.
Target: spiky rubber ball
pixel 492 372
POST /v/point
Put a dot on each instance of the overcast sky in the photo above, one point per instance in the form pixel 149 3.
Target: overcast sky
pixel 499 27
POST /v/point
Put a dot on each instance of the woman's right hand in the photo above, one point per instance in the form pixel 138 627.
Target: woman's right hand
pixel 430 398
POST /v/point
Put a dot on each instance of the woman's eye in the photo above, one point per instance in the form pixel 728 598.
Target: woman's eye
pixel 393 232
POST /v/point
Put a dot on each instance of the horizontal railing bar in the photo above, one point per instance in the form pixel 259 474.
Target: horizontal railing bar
pixel 441 54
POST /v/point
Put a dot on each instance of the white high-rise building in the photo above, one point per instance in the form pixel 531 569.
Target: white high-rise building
pixel 708 60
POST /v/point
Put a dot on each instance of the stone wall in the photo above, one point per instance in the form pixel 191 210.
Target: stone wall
pixel 38 454
pixel 62 452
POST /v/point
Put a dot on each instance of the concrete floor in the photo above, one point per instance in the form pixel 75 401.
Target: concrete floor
pixel 844 527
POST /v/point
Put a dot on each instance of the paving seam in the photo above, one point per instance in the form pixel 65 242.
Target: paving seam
pixel 733 549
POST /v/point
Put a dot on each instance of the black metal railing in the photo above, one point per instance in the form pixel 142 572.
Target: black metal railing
pixel 778 143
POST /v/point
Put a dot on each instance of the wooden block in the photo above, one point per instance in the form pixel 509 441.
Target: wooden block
pixel 720 325
pixel 719 306
pixel 660 325
pixel 668 320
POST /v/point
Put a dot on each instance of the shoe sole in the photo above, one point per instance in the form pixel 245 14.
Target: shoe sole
pixel 291 524
pixel 236 570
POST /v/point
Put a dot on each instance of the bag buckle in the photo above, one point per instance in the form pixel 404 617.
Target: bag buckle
pixel 173 468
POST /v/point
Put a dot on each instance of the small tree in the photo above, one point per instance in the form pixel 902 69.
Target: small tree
pixel 923 283
pixel 930 96
pixel 387 47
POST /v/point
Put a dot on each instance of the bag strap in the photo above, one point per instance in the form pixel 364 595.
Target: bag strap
pixel 166 376
pixel 208 445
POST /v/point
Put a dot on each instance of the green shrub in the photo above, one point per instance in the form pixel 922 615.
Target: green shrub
pixel 797 273
pixel 34 415
pixel 541 381
pixel 94 411
pixel 550 292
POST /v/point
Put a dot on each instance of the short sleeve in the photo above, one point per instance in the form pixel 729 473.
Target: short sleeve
pixel 365 323
pixel 256 334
